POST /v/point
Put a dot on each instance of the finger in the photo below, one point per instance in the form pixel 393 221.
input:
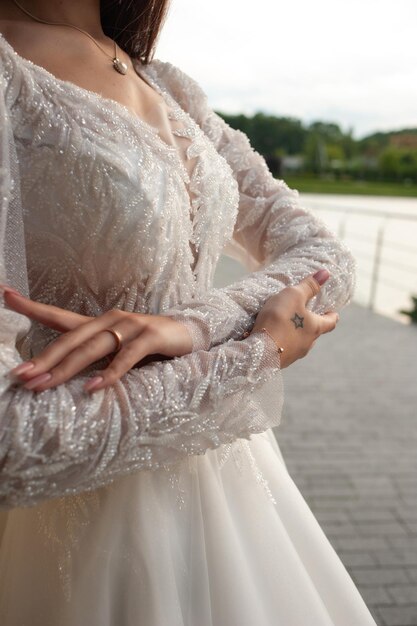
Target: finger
pixel 328 321
pixel 47 314
pixel 124 361
pixel 310 286
pixel 91 350
pixel 79 337
pixel 94 349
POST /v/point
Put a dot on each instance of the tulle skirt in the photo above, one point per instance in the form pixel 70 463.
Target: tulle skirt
pixel 225 539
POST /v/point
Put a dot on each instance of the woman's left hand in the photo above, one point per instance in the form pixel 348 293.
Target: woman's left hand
pixel 85 340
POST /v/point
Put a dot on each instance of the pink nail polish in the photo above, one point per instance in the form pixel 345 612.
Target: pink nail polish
pixel 93 383
pixel 42 378
pixel 321 276
pixel 22 368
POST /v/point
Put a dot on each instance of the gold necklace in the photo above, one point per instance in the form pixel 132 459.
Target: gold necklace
pixel 118 64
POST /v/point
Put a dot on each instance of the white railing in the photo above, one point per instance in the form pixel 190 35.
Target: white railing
pixel 380 243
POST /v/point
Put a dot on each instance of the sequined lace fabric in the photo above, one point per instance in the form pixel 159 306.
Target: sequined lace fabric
pixel 98 212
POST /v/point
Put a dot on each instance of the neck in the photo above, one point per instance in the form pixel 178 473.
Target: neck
pixel 82 13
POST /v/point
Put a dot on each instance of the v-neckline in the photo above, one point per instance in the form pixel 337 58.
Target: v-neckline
pixel 113 104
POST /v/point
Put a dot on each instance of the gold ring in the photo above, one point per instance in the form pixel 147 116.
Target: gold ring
pixel 117 336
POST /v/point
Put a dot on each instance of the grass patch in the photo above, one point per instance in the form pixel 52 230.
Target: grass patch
pixel 366 188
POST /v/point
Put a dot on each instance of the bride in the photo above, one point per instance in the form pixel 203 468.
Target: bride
pixel 140 480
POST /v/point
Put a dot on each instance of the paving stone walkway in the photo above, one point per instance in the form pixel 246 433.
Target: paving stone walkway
pixel 349 438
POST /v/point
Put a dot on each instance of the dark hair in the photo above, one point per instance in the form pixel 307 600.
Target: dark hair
pixel 134 24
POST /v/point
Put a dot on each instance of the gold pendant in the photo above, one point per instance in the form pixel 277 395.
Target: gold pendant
pixel 119 66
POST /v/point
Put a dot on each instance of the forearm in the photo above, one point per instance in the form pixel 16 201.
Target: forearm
pixel 295 244
pixel 284 240
pixel 63 440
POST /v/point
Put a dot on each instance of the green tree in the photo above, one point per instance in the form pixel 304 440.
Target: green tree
pixel 327 148
pixel 389 163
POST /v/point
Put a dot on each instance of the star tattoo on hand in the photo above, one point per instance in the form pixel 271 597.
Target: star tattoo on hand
pixel 298 320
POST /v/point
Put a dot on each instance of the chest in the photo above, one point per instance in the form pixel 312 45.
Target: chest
pixel 99 184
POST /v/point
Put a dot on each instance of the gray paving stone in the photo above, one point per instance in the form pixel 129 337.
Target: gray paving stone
pixel 331 515
pixel 397 556
pixel 404 594
pixel 398 616
pixel 369 577
pixel 407 513
pixel 412 574
pixel 331 490
pixel 407 543
pixel 376 596
pixel 377 528
pixel 338 529
pixel 358 559
pixel 412 526
pixel 318 503
pixel 373 514
pixel 353 544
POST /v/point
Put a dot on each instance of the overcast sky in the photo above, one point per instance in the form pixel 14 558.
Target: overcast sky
pixel 353 62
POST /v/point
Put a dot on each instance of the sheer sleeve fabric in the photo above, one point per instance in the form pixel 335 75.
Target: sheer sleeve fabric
pixel 275 237
pixel 63 440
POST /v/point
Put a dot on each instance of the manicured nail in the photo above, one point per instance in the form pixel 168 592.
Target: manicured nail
pixel 42 378
pixel 321 276
pixel 22 368
pixel 93 383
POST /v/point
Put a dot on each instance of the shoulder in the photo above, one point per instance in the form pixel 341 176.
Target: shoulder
pixel 183 88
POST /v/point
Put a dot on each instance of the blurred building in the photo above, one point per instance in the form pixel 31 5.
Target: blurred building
pixel 404 140
pixel 292 163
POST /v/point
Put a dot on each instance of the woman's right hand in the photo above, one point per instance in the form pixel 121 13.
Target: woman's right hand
pixel 291 324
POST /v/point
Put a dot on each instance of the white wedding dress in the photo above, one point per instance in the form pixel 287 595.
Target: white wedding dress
pixel 164 499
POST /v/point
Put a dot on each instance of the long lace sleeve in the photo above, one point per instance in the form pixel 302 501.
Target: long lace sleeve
pixel 274 235
pixel 63 440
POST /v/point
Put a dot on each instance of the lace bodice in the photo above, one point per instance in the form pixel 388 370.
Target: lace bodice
pixel 98 212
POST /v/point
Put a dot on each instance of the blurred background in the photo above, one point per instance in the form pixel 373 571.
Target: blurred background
pixel 327 92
